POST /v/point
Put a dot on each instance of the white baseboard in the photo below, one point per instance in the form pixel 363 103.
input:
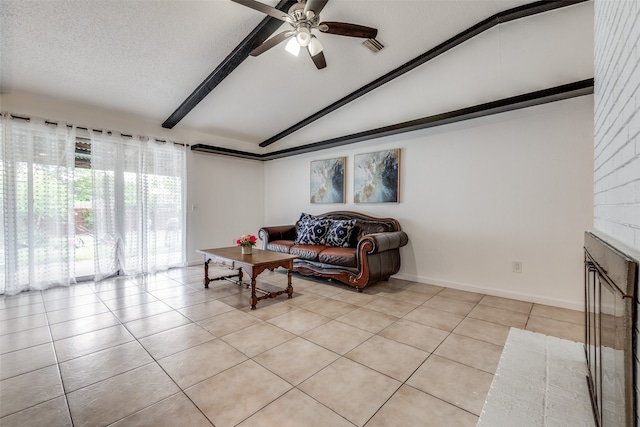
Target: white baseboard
pixel 572 305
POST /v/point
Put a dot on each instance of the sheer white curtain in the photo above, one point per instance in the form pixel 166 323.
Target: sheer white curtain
pixel 138 204
pixel 37 217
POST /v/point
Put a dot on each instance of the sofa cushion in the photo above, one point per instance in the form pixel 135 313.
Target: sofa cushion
pixel 308 252
pixel 345 257
pixel 339 233
pixel 281 246
pixel 312 231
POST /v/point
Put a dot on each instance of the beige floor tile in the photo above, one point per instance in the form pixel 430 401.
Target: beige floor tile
pixel 460 295
pixel 228 323
pixel 204 310
pixel 329 307
pixel 409 296
pixel 302 298
pixel 566 330
pixel 299 321
pixel 152 284
pixel 337 336
pixel 21 311
pixel 24 298
pixel 26 390
pixel 389 357
pixel 157 323
pixel 81 345
pixel 424 288
pixel 326 289
pixel 460 385
pixel 114 283
pixel 176 410
pixel 95 367
pixel 235 394
pixel 23 323
pixel 472 352
pixel 81 326
pixel 24 339
pixel 295 409
pixel 415 334
pixel 239 300
pixel 481 330
pixel 352 390
pixel 201 362
pixel 26 360
pixel 59 304
pixel 499 315
pixel 171 292
pixel 219 290
pixel 507 304
pixel 410 407
pixel 557 313
pixel 130 301
pixel 368 320
pixel 450 305
pixel 186 300
pixel 175 340
pixel 355 298
pixel 53 412
pixel 296 360
pixel 135 312
pixel 127 289
pixel 434 318
pixel 271 308
pixel 66 292
pixel 391 306
pixel 258 338
pixel 117 397
pixel 77 312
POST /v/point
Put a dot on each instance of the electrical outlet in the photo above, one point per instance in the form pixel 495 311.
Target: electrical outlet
pixel 516 267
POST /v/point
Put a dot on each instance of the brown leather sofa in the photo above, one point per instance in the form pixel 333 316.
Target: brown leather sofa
pixel 372 253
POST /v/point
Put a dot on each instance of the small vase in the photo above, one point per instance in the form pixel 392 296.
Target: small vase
pixel 246 250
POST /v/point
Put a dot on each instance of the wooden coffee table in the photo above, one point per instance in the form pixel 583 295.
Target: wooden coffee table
pixel 252 264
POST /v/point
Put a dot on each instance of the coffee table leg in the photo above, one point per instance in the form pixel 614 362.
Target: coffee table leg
pixel 254 298
pixel 289 287
pixel 206 279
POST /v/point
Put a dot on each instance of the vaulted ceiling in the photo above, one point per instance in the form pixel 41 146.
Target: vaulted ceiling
pixel 144 58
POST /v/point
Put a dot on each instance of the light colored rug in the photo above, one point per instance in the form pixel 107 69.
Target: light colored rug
pixel 540 381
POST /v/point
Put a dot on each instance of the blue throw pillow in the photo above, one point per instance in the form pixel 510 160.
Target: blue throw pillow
pixel 312 232
pixel 339 234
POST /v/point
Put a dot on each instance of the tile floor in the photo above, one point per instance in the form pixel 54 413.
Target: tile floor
pixel 163 351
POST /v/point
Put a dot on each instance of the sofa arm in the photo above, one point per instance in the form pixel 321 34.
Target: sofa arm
pixel 278 232
pixel 381 242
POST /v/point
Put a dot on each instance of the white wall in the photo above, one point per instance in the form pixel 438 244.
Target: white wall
pixel 476 196
pixel 229 196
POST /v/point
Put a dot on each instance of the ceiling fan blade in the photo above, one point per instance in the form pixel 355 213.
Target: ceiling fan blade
pixel 346 29
pixel 315 51
pixel 261 7
pixel 315 5
pixel 277 39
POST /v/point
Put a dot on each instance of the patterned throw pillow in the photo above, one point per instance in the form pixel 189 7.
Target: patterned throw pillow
pixel 339 234
pixel 312 231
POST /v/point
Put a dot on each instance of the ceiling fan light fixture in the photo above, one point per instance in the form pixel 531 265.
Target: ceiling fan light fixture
pixel 303 36
pixel 315 47
pixel 292 47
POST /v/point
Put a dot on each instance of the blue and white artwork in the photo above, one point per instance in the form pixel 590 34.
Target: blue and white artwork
pixel 327 180
pixel 376 177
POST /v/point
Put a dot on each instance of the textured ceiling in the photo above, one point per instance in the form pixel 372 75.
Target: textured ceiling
pixel 143 58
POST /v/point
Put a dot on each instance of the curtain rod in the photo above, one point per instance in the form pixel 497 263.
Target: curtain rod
pixel 28 119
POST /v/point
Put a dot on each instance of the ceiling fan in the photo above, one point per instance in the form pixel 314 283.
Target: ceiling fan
pixel 304 17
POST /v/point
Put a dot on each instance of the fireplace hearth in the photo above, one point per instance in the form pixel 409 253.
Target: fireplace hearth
pixel 611 333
